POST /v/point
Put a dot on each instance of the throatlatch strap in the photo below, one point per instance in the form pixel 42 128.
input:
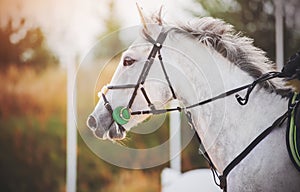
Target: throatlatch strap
pixel 293 131
pixel 166 75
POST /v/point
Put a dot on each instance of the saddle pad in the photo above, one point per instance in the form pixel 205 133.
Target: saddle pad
pixel 293 132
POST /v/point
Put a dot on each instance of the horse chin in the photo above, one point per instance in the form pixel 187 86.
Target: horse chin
pixel 115 132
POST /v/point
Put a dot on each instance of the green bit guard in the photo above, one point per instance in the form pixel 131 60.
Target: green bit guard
pixel 121 115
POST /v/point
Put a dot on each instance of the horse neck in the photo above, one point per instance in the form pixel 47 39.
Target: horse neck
pixel 225 127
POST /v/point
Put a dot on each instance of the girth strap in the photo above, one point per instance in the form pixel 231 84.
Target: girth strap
pixel 293 132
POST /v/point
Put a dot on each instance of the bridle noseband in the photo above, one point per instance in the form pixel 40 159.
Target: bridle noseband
pixel 122 114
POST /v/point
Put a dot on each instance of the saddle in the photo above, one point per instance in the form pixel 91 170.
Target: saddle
pixel 293 131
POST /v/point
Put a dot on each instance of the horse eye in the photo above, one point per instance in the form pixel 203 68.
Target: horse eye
pixel 128 61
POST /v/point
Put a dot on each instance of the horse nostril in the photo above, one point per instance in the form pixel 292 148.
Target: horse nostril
pixel 92 122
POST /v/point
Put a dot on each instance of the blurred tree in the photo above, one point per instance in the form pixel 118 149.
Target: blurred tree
pixel 255 18
pixel 110 41
pixel 292 22
pixel 24 47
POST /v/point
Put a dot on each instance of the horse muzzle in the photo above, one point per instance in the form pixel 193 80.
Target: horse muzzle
pixel 108 124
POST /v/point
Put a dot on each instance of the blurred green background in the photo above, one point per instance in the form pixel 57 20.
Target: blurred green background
pixel 33 97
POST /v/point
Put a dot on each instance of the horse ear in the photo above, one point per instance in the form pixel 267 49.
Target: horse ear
pixel 158 17
pixel 143 19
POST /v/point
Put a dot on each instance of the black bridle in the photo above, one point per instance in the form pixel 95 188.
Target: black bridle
pixel 121 114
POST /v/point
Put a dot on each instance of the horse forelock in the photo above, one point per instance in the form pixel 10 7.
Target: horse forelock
pixel 235 47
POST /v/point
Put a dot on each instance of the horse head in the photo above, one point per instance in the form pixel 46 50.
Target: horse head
pixel 131 89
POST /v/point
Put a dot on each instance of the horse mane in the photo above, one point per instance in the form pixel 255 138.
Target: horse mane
pixel 238 49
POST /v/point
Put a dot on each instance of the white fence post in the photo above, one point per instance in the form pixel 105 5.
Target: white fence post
pixel 71 161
